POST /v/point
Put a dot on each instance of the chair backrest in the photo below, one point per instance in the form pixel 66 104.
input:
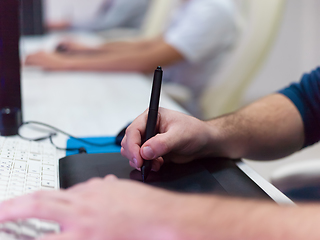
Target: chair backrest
pixel 261 21
pixel 157 17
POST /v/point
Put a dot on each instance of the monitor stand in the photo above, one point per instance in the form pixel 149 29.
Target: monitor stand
pixel 10 91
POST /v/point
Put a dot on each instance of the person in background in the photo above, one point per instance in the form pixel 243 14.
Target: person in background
pixel 270 128
pixel 190 49
pixel 105 15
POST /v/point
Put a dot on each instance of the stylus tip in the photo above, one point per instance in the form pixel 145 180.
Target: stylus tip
pixel 143 173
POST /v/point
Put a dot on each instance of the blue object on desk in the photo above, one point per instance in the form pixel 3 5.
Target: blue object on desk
pixel 112 147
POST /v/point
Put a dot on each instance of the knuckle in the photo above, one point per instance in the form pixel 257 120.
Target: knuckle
pixel 36 205
pixel 128 129
pixel 123 142
pixel 122 151
pixel 37 195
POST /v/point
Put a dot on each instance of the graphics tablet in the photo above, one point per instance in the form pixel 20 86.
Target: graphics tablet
pixel 212 175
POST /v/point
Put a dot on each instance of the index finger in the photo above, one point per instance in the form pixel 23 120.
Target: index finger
pixel 133 138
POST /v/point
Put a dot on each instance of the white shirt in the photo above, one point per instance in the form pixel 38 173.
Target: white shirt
pixel 116 14
pixel 202 31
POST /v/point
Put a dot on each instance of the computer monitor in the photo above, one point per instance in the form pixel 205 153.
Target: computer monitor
pixel 10 91
pixel 32 22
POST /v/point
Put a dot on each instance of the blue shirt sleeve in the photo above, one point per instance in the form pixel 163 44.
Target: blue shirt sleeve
pixel 306 97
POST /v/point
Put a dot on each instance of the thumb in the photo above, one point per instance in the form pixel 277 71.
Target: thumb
pixel 158 146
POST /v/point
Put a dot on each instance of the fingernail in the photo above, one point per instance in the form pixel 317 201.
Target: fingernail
pixel 148 152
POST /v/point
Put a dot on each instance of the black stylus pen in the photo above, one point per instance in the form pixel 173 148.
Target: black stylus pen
pixel 152 117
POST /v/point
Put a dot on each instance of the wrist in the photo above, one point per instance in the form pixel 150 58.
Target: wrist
pixel 223 140
pixel 216 139
pixel 187 219
pixel 195 217
pixel 172 218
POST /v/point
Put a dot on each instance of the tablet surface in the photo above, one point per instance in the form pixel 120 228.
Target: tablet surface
pixel 211 175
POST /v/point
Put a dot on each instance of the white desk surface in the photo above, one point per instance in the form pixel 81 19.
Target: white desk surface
pixel 88 104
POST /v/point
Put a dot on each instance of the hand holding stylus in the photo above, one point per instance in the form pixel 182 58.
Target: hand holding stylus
pixel 180 138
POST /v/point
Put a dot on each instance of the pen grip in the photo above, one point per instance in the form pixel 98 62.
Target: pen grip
pixel 151 124
pixel 150 132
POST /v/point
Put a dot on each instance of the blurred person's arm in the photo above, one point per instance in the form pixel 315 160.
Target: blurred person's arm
pixel 120 209
pixel 143 57
pixel 73 47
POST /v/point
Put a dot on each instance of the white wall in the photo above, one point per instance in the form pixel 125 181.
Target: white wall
pixel 296 50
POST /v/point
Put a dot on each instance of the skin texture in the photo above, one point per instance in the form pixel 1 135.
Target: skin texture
pixel 268 129
pixel 139 56
pixel 112 209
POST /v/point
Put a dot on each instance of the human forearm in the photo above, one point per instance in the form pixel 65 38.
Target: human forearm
pixel 267 129
pixel 135 60
pixel 70 47
pixel 103 208
pixel 138 60
pixel 119 62
pixel 207 217
pixel 123 46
